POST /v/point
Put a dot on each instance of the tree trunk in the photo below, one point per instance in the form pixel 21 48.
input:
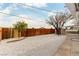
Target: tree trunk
pixel 19 34
pixel 58 31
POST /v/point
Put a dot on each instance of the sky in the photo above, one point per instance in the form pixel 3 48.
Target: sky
pixel 35 14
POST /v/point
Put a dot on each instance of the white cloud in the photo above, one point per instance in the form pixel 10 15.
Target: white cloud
pixel 7 20
pixel 12 7
pixel 1 4
pixel 7 10
pixel 36 3
pixel 53 12
pixel 39 5
pixel 31 23
pixel 39 1
pixel 24 1
pixel 38 23
pixel 2 15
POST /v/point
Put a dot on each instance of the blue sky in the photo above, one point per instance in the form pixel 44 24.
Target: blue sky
pixel 28 12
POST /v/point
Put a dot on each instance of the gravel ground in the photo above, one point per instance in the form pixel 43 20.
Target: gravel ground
pixel 43 45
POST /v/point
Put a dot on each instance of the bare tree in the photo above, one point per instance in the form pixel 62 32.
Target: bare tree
pixel 59 20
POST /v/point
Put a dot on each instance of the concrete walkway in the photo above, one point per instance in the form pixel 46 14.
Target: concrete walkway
pixel 43 45
pixel 70 47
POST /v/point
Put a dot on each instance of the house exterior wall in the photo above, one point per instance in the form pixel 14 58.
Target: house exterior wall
pixel 73 9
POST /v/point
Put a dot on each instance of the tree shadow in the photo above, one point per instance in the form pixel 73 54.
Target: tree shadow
pixel 19 39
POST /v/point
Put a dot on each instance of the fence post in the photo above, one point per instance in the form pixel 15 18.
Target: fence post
pixel 0 33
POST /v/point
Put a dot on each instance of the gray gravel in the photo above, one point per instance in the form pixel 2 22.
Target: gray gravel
pixel 43 45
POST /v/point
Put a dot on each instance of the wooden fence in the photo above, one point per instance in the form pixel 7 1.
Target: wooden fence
pixel 10 33
pixel 34 32
pixel 7 33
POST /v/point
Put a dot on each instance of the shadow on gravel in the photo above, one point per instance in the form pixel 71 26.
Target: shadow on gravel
pixel 19 39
